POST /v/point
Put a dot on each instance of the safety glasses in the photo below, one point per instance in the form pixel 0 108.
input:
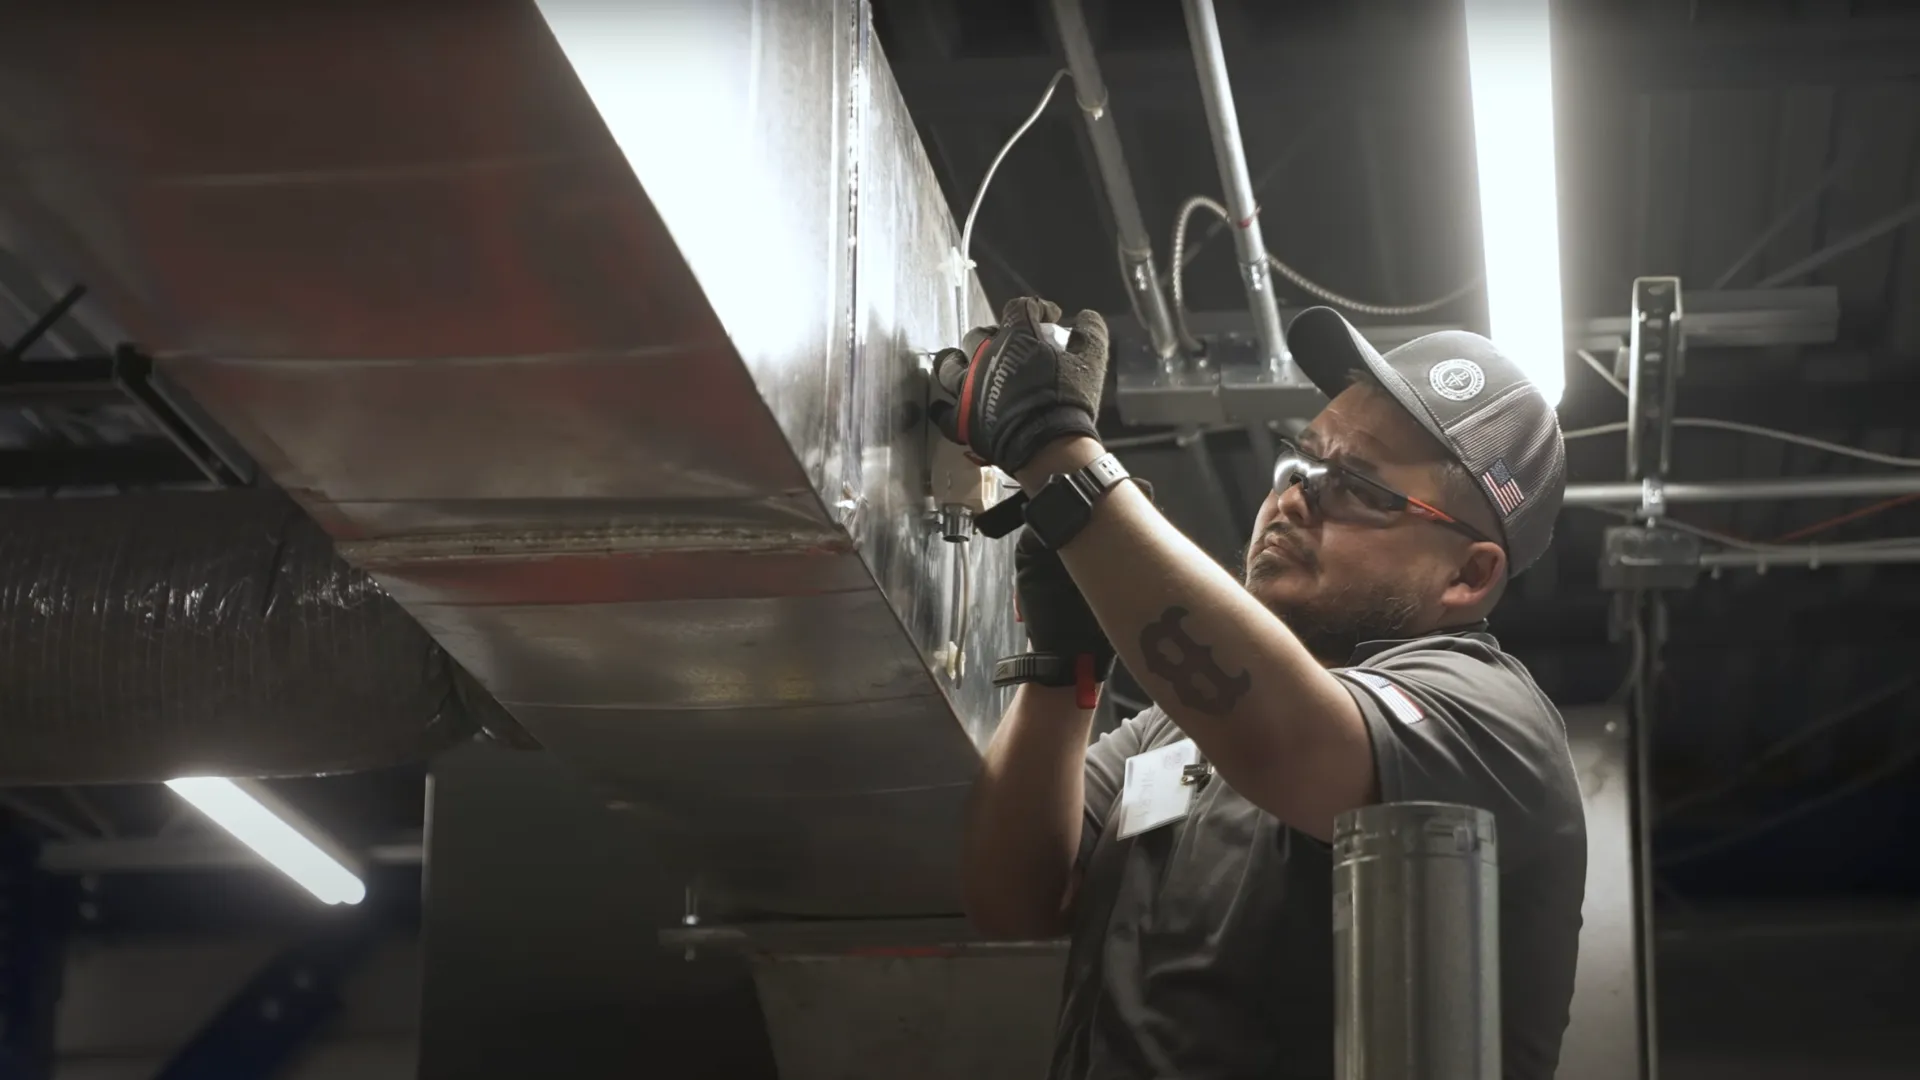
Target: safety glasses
pixel 1341 494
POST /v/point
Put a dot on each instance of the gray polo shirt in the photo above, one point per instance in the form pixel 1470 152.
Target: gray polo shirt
pixel 1203 950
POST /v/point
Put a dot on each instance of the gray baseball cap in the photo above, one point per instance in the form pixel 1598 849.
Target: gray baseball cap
pixel 1472 398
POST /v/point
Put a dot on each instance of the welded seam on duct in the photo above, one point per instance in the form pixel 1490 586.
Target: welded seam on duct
pixel 855 116
pixel 641 540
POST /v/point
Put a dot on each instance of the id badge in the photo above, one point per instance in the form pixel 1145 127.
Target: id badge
pixel 1154 791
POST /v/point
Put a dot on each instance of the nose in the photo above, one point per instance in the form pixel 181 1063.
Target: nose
pixel 1293 504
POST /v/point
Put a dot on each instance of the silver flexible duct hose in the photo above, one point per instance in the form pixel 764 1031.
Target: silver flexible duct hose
pixel 146 637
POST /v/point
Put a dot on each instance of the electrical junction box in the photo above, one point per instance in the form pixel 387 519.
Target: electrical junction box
pixel 1649 557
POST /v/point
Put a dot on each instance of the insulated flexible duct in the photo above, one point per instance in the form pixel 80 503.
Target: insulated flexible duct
pixel 144 637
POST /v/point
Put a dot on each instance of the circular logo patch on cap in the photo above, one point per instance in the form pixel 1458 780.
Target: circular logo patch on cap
pixel 1457 380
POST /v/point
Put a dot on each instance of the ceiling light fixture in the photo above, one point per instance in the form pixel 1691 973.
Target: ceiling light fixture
pixel 259 820
pixel 1510 66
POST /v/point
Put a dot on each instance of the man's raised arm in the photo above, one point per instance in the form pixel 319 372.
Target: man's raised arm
pixel 1279 728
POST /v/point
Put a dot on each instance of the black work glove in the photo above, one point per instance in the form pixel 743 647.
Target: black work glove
pixel 1056 616
pixel 1011 391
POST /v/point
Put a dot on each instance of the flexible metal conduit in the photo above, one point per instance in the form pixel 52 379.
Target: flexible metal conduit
pixel 1136 250
pixel 1250 248
pixel 144 637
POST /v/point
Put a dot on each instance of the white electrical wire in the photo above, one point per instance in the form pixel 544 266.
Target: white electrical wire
pixel 966 231
pixel 959 644
pixel 1306 284
pixel 1705 423
pixel 1799 440
pixel 1598 429
pixel 1601 370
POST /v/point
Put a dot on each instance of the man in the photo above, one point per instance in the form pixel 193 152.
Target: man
pixel 1351 666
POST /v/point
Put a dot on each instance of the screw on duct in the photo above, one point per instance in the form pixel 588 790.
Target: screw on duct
pixel 956 524
pixel 1416 943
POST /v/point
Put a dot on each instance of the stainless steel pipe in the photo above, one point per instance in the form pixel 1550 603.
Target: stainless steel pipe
pixel 1203 29
pixel 1416 943
pixel 1135 249
pixel 1628 493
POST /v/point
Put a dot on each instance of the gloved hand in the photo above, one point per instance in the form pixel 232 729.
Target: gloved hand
pixel 1013 391
pixel 1056 616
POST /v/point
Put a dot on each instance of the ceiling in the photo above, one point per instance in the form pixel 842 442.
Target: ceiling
pixel 1721 141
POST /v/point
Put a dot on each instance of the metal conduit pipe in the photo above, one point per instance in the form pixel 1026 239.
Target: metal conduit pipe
pixel 1416 943
pixel 1135 249
pixel 1203 29
pixel 1811 556
pixel 1629 493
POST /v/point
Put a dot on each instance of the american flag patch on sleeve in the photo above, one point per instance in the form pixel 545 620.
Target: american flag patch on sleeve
pixel 1394 698
pixel 1502 487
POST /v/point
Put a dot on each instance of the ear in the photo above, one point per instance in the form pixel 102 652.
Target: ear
pixel 1477 578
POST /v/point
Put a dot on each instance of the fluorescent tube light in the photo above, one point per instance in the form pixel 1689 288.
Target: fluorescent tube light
pixel 244 814
pixel 1510 65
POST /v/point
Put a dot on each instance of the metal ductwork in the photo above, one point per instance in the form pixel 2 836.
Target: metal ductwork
pixel 148 637
pixel 594 332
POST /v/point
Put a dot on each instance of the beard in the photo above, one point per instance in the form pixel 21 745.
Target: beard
pixel 1332 625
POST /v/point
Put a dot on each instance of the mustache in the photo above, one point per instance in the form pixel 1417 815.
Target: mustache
pixel 1285 535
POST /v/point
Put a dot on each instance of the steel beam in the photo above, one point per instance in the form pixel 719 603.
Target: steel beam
pixel 1243 393
pixel 1135 248
pixel 36 916
pixel 1603 1040
pixel 264 1026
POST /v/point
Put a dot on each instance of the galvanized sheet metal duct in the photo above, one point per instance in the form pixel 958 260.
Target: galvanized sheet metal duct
pixel 148 637
pixel 592 330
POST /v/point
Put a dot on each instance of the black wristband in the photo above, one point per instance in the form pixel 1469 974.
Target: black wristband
pixel 1063 507
pixel 1046 669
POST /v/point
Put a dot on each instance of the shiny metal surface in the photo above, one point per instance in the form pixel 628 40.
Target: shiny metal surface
pixel 1250 249
pixel 1136 249
pixel 1604 1040
pixel 823 939
pixel 594 331
pixel 1416 943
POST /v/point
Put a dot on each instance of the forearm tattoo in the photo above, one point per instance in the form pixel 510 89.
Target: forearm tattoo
pixel 1196 676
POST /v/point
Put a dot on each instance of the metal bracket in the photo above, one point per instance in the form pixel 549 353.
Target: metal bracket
pixel 1635 557
pixel 1654 360
pixel 271 1017
pixel 36 915
pixel 128 375
pixel 1653 500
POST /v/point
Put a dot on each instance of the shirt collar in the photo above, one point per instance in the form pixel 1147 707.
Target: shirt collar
pixel 1366 650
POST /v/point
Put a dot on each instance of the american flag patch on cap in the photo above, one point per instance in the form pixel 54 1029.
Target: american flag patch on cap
pixel 1394 698
pixel 1501 486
